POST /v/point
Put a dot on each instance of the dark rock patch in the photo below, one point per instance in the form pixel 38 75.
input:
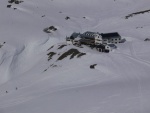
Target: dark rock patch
pixel 15 1
pixel 93 66
pixel 139 27
pixel 53 65
pixel 45 70
pixel 11 1
pixel 147 39
pixel 72 52
pixel 50 48
pixel 62 46
pixel 43 16
pixel 50 29
pixel 137 13
pixel 8 6
pixel 50 55
pixel 67 18
pixel 81 54
pixel 1 45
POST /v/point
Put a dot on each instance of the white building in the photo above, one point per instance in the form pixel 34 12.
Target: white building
pixel 103 42
pixel 89 36
pixel 111 38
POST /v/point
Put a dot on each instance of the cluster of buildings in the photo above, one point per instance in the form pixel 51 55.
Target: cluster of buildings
pixel 104 42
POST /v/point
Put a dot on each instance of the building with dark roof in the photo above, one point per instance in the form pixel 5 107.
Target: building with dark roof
pixel 103 48
pixel 88 34
pixel 74 35
pixel 91 37
pixel 103 42
pixel 113 38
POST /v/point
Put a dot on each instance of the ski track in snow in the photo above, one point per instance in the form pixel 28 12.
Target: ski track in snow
pixel 133 56
pixel 26 97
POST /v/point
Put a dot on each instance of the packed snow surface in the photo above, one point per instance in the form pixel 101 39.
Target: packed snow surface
pixel 36 75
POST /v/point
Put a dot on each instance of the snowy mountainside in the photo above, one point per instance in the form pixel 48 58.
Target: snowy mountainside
pixel 40 73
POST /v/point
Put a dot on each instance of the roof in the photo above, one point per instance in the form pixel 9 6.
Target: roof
pixel 89 34
pixel 112 45
pixel 74 35
pixel 110 35
pixel 101 46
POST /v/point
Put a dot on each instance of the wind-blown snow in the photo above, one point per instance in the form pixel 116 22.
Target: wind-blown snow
pixel 29 83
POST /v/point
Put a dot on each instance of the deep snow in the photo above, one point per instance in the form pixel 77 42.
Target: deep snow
pixel 118 84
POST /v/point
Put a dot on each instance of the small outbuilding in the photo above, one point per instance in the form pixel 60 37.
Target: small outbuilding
pixel 103 48
pixel 71 39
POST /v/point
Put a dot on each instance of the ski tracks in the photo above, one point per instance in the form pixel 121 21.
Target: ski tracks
pixel 133 53
pixel 147 63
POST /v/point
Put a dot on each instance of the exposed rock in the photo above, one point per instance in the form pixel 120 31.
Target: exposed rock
pixel 137 13
pixel 43 15
pixel 50 29
pixel 15 1
pixel 62 46
pixel 50 55
pixel 81 54
pixel 50 48
pixel 147 39
pixel 67 18
pixel 72 52
pixel 11 1
pixel 8 6
pixel 93 66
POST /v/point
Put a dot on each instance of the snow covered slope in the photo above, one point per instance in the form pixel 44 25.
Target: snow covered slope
pixel 39 73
